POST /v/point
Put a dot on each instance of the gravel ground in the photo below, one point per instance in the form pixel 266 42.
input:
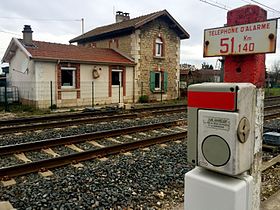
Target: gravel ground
pixel 37 155
pixel 273 124
pixel 270 177
pixel 9 160
pixel 54 133
pixel 270 182
pixel 62 150
pixel 147 179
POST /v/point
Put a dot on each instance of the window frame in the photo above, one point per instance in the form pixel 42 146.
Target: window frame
pixel 159 47
pixel 120 71
pixel 73 69
pixel 159 80
pixel 163 81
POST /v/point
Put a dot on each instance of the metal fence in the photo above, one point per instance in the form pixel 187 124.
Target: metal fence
pixel 9 95
pixel 90 93
pixel 174 90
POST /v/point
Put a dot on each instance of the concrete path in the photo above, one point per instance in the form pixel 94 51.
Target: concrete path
pixel 273 203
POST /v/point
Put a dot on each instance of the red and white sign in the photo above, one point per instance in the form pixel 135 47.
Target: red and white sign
pixel 251 38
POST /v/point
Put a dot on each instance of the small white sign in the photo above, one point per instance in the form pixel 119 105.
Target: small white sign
pixel 251 38
pixel 219 123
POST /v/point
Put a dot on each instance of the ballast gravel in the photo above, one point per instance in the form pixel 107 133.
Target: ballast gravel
pixel 151 179
pixel 272 125
pixel 10 139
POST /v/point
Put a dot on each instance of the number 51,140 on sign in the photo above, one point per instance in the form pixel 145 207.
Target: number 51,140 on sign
pixel 259 37
pixel 227 46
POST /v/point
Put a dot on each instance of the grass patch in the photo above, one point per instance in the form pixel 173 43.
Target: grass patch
pixel 272 92
pixel 24 110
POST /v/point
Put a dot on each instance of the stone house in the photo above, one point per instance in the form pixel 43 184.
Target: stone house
pixel 188 77
pixel 68 75
pixel 153 41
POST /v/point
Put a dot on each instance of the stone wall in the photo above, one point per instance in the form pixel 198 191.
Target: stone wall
pixel 169 62
pixel 140 46
pixel 122 43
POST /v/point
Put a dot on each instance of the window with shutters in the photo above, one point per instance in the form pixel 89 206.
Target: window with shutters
pixel 158 81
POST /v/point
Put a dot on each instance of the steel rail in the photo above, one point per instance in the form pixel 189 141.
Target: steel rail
pixel 272 98
pixel 60 124
pixel 266 165
pixel 69 116
pixel 19 128
pixel 27 168
pixel 53 117
pixel 29 146
pixel 271 116
pixel 272 107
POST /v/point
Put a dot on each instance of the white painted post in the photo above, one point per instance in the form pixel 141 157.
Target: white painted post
pixel 256 167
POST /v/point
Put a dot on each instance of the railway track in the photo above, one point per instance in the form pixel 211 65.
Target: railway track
pixel 270 116
pixel 268 164
pixel 99 117
pixel 37 123
pixel 70 176
pixel 41 165
pixel 79 115
pixel 272 100
pixel 103 112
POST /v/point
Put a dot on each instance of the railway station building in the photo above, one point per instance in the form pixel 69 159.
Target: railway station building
pixel 116 63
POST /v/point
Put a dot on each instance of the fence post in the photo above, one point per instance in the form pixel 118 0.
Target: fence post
pixel 92 94
pixel 162 89
pixel 141 88
pixel 179 93
pixel 6 97
pixel 51 95
pixel 119 92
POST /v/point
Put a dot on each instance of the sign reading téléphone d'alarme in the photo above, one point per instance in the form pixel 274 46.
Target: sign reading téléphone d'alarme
pixel 250 38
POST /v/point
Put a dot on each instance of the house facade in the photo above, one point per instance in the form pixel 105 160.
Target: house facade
pixel 68 75
pixel 153 41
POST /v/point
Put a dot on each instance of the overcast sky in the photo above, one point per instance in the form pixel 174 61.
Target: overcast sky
pixel 59 20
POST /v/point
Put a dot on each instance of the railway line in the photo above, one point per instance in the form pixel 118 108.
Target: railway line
pixel 11 126
pixel 113 144
pixel 60 121
pixel 88 113
pixel 121 147
pixel 45 145
pixel 271 106
pixel 272 100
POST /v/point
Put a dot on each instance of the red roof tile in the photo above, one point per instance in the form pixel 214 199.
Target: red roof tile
pixel 54 51
pixel 131 24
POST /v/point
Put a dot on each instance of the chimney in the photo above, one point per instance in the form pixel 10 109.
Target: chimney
pixel 126 16
pixel 27 35
pixel 121 16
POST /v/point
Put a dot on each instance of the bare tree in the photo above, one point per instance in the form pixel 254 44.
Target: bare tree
pixel 275 68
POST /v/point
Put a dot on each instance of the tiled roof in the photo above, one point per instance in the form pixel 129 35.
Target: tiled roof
pixel 131 25
pixel 54 51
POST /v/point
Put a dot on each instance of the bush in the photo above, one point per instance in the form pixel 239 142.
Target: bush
pixel 53 107
pixel 144 99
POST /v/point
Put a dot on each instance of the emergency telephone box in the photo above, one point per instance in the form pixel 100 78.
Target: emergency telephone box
pixel 221 126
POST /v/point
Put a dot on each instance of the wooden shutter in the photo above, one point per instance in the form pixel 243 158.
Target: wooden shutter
pixel 165 81
pixel 152 81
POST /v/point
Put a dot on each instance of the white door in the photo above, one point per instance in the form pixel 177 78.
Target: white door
pixel 117 86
